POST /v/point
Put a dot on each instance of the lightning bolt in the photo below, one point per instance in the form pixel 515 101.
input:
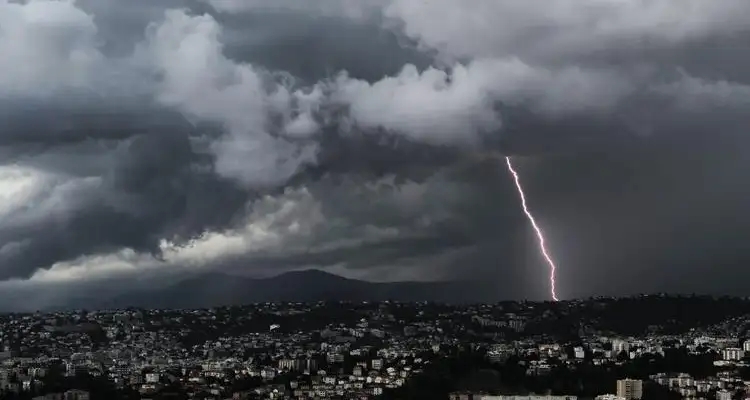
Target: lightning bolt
pixel 539 234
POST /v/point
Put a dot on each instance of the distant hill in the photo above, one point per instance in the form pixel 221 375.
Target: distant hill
pixel 216 289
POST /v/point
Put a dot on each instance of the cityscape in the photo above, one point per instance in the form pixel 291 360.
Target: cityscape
pixel 599 348
pixel 374 199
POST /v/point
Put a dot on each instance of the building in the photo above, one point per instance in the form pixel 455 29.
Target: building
pixel 289 365
pixel 525 397
pixel 732 354
pixel 578 352
pixel 723 395
pixel 619 345
pixel 75 394
pixel 152 378
pixel 630 389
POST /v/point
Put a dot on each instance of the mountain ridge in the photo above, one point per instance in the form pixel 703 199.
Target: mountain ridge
pixel 213 289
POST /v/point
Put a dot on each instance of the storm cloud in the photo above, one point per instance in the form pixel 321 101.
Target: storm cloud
pixel 148 139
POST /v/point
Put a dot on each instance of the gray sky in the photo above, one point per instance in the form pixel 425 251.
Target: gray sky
pixel 141 141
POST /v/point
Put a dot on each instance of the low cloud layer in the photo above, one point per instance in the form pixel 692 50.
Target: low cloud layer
pixel 261 136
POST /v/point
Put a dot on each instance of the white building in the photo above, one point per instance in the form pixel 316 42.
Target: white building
pixel 152 377
pixel 732 354
pixel 608 397
pixel 619 345
pixel 630 389
pixel 579 352
pixel 75 394
pixel 529 397
pixel 723 395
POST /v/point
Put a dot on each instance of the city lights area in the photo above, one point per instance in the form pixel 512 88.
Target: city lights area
pixel 600 348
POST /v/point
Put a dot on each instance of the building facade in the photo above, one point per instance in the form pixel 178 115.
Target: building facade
pixel 630 389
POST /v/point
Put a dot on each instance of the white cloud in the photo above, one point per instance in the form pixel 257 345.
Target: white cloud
pixel 269 122
pixel 17 186
pixel 439 107
pixel 353 9
pixel 274 224
pixel 499 28
pixel 199 80
pixel 424 106
pixel 46 45
pixel 29 196
pixel 695 94
pixel 510 52
pixel 289 224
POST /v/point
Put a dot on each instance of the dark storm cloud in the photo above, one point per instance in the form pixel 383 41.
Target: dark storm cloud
pixel 449 211
pixel 143 138
pixel 154 182
pixel 309 49
pixel 650 217
pixel 148 183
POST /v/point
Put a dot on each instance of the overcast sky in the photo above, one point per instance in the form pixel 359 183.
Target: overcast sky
pixel 141 141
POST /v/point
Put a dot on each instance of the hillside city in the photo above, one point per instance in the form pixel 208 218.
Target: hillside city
pixel 647 347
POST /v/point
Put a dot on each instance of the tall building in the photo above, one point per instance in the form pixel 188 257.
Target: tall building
pixel 630 389
pixel 579 352
pixel 723 395
pixel 619 345
pixel 732 354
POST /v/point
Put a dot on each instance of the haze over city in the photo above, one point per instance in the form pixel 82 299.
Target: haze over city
pixel 142 142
